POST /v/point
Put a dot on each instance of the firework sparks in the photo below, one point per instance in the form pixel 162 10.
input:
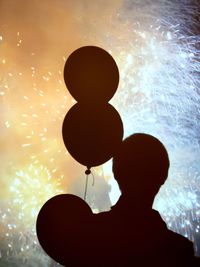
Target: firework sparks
pixel 157 55
pixel 30 189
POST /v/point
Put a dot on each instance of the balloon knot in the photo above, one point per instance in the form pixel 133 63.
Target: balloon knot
pixel 87 172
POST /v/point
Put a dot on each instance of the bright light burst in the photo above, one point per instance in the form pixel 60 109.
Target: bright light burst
pixel 158 57
pixel 30 189
pixel 159 95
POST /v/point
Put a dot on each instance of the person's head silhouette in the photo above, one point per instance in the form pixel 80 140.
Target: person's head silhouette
pixel 140 167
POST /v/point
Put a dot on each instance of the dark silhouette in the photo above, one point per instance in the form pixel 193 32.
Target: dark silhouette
pixel 91 75
pixel 92 132
pixel 92 129
pixel 132 233
pixel 85 136
pixel 62 228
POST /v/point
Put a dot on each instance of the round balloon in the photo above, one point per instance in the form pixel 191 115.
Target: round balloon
pixel 63 224
pixel 92 134
pixel 91 74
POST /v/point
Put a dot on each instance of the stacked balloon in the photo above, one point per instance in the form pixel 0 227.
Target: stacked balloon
pixel 92 128
pixel 92 132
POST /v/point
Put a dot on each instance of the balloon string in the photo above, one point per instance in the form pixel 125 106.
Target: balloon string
pixel 86 184
pixel 92 179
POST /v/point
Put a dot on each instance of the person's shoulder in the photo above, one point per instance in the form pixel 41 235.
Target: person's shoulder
pixel 182 242
pixel 101 218
pixel 100 215
pixel 176 240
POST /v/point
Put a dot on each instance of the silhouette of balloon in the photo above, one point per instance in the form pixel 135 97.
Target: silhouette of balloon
pixel 92 134
pixel 91 75
pixel 62 227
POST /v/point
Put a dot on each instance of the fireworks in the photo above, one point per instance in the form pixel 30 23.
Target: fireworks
pixel 157 53
pixel 159 95
pixel 29 190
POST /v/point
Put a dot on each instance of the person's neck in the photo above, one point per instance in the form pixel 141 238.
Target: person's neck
pixel 135 203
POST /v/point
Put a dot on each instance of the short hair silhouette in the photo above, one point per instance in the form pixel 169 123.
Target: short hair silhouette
pixel 132 233
pixel 141 163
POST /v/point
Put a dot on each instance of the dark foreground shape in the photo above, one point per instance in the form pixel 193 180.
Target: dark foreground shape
pixel 92 135
pixel 132 234
pixel 62 229
pixel 91 75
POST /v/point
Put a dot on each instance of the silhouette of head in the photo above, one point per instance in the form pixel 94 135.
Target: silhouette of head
pixel 141 166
